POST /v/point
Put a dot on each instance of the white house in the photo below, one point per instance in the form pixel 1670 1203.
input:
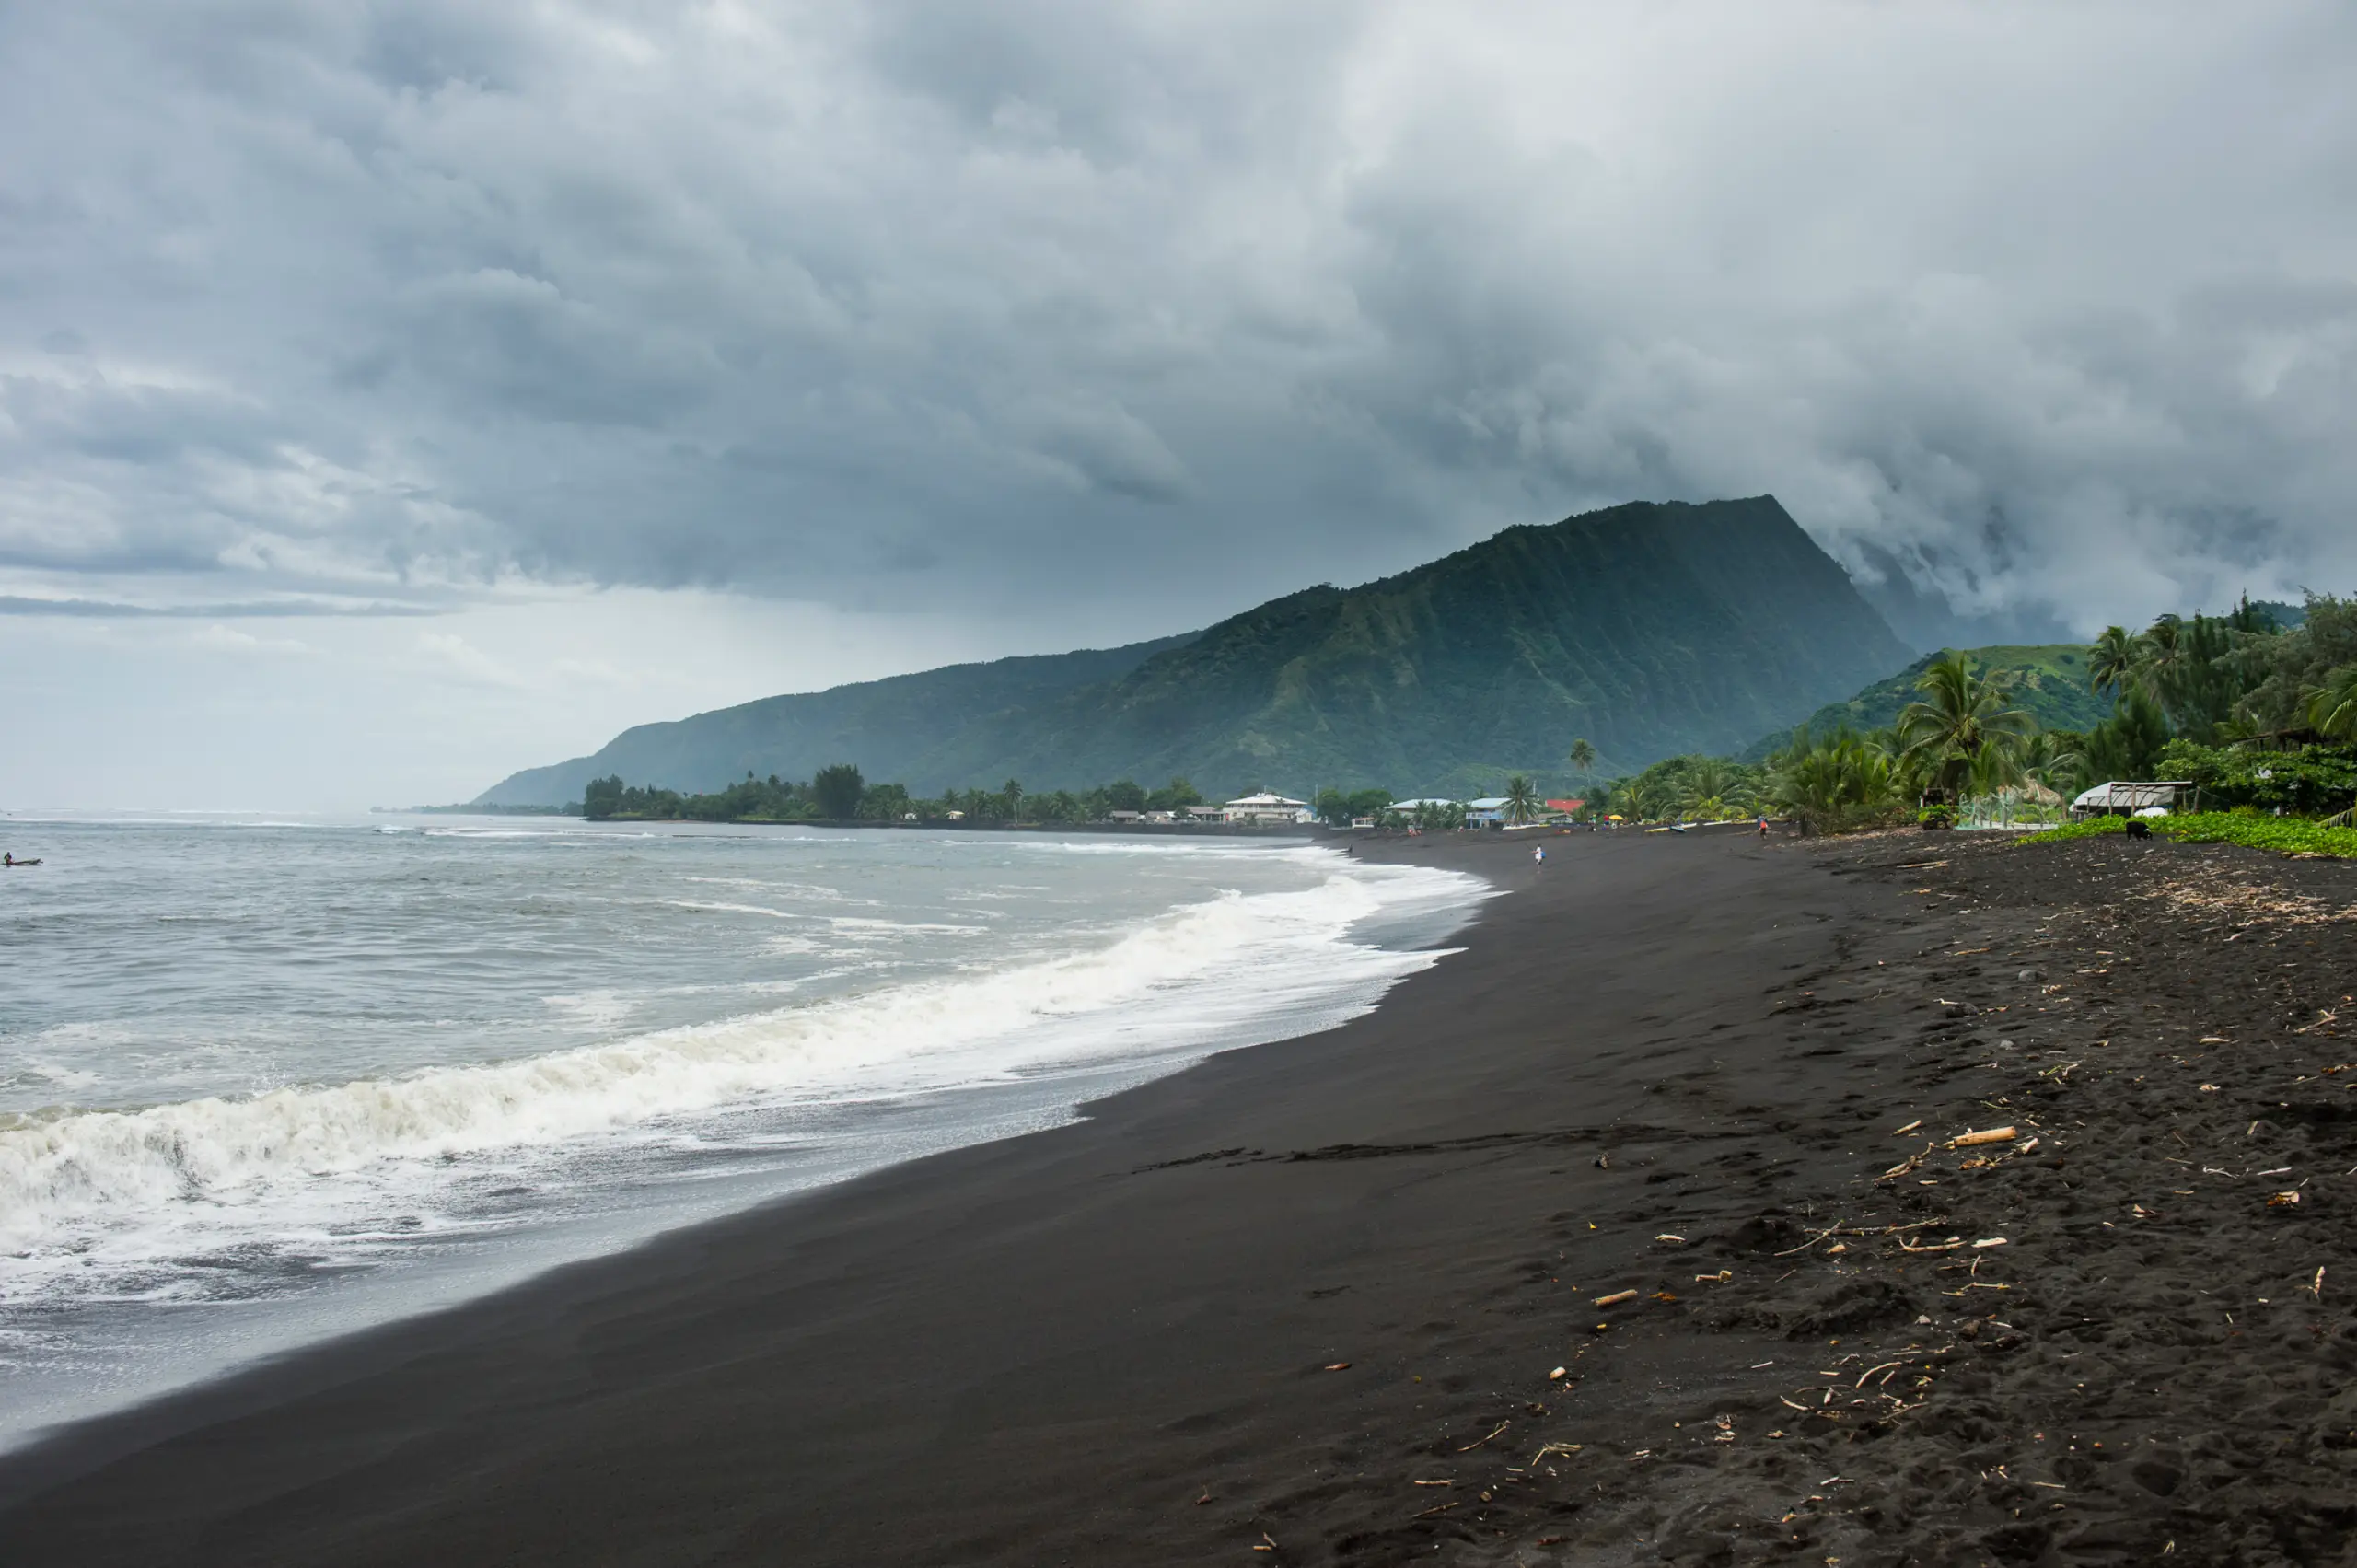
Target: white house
pixel 1486 812
pixel 1264 809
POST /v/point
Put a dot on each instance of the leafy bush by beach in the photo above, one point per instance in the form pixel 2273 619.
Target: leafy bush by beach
pixel 2310 780
pixel 2288 835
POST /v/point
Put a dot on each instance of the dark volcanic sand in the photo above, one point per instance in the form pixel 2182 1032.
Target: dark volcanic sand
pixel 1121 1341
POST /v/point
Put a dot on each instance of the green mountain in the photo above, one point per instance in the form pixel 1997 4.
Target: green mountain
pixel 893 727
pixel 1652 629
pixel 2050 682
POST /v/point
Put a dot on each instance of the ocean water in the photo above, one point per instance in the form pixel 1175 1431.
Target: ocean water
pixel 268 1080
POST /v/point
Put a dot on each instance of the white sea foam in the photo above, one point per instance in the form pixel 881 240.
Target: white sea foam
pixel 104 1201
pixel 736 909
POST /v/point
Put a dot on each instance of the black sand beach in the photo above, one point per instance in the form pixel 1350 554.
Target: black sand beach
pixel 1306 1302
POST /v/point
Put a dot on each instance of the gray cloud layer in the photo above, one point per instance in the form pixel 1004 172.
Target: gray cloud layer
pixel 906 305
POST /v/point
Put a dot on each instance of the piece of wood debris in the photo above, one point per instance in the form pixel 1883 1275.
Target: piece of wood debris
pixel 2282 1200
pixel 1902 1131
pixel 1616 1298
pixel 1950 1245
pixel 1558 1375
pixel 1664 1236
pixel 1471 1447
pixel 1338 1367
pixel 1989 1241
pixel 1987 1135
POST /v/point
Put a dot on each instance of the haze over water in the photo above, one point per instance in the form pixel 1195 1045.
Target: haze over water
pixel 265 1080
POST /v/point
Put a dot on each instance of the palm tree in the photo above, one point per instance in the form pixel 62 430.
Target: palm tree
pixel 2161 651
pixel 2332 707
pixel 1521 801
pixel 1013 795
pixel 2054 759
pixel 1583 757
pixel 2112 661
pixel 1962 715
pixel 1712 790
pixel 1645 801
pixel 1833 780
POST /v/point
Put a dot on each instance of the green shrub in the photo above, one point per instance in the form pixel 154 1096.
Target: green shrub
pixel 2287 835
pixel 2311 779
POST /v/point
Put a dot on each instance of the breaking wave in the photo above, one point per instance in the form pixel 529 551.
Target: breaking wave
pixel 100 1202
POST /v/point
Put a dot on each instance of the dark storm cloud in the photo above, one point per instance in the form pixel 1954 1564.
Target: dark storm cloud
pixel 2051 312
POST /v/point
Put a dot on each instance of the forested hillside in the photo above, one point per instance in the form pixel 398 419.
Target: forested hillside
pixel 1650 628
pixel 2049 681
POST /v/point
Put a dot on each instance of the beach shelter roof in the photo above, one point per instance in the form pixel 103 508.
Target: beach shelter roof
pixel 2125 795
pixel 1265 798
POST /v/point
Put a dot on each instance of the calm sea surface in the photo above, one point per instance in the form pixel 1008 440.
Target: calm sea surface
pixel 264 1081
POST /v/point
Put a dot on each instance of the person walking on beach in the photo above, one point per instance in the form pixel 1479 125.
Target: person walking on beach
pixel 1537 854
pixel 1764 824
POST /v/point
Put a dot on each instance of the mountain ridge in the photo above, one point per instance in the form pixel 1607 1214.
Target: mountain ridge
pixel 1652 628
pixel 709 749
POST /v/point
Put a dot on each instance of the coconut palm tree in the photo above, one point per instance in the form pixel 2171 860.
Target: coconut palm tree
pixel 1712 790
pixel 1522 800
pixel 1833 780
pixel 1583 757
pixel 1961 716
pixel 2332 707
pixel 2054 757
pixel 2161 651
pixel 2112 661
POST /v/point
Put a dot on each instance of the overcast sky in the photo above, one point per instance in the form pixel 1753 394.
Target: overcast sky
pixel 600 363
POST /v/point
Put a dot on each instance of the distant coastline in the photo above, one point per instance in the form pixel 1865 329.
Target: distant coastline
pixel 1149 830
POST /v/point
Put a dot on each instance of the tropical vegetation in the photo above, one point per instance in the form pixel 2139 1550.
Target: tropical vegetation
pixel 2251 712
pixel 2288 835
pixel 2258 716
pixel 837 792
